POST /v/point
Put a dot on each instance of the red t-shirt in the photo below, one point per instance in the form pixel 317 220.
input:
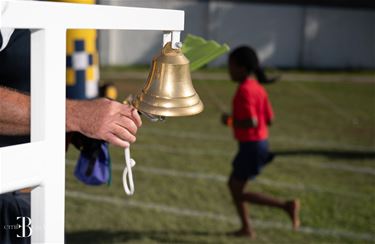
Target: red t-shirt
pixel 251 101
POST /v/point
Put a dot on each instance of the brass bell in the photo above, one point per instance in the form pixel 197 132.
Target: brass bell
pixel 168 90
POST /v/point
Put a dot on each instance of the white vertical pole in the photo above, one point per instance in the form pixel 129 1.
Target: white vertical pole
pixel 48 49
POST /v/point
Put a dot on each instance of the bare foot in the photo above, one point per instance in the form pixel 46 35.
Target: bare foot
pixel 292 208
pixel 244 232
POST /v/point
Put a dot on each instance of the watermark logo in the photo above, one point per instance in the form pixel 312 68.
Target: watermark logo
pixel 25 226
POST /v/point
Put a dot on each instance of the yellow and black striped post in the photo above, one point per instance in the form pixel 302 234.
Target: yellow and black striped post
pixel 82 61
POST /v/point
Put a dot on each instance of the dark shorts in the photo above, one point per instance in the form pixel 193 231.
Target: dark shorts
pixel 250 159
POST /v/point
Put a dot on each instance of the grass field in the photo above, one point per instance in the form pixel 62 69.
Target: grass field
pixel 324 135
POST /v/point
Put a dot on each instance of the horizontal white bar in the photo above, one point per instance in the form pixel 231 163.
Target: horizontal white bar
pixel 29 182
pixel 43 15
pixel 22 166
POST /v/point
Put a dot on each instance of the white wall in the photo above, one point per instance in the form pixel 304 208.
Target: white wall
pixel 339 38
pixel 138 47
pixel 284 35
pixel 273 30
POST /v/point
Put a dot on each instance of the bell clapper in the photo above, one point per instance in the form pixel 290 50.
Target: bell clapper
pixel 154 118
pixel 151 117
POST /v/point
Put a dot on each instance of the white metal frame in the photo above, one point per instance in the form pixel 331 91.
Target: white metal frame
pixel 41 163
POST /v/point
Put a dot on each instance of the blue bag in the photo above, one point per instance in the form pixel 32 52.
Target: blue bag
pixel 94 164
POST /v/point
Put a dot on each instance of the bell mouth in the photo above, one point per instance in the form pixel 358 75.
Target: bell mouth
pixel 175 107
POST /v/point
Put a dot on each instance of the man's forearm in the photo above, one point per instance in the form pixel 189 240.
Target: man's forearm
pixel 72 115
pixel 101 119
pixel 14 112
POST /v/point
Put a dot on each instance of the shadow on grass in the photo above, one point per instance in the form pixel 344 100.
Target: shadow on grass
pixel 334 154
pixel 103 236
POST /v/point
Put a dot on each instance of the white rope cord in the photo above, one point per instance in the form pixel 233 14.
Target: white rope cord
pixel 129 163
pixel 127 175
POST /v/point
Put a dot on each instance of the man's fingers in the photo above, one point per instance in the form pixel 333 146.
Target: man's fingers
pixel 111 138
pixel 131 112
pixel 123 134
pixel 106 120
pixel 127 123
pixel 126 110
pixel 136 117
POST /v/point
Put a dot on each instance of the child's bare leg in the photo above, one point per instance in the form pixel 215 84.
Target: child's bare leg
pixel 236 188
pixel 291 207
pixel 263 199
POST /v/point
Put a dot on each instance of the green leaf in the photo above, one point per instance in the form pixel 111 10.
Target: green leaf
pixel 200 51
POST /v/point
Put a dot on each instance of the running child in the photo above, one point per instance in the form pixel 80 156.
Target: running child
pixel 252 114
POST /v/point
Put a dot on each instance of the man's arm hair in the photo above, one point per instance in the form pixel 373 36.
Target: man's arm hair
pixel 101 119
pixel 14 112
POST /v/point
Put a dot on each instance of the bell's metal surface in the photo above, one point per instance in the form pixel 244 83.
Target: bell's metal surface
pixel 168 90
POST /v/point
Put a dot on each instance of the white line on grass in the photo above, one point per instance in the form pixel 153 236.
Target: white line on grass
pixel 200 152
pixel 345 167
pixel 186 135
pixel 327 103
pixel 227 138
pixel 125 202
pixel 322 143
pixel 224 179
pixel 218 102
pixel 174 150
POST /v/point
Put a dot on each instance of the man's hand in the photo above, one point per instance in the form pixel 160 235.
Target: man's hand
pixel 103 119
